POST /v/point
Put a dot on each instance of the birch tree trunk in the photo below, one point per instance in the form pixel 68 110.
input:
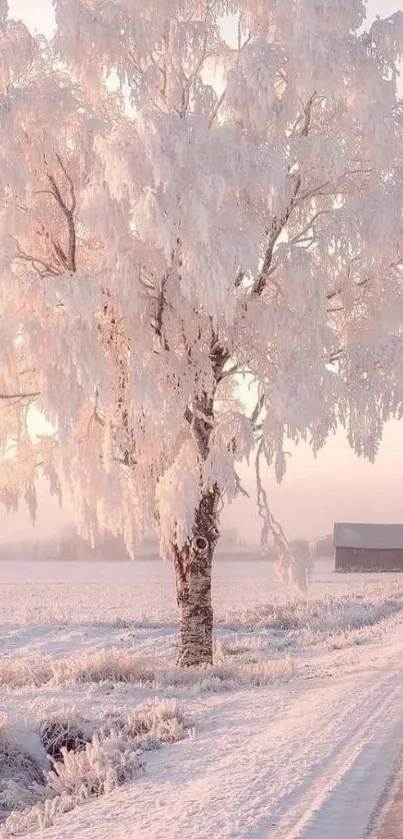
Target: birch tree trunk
pixel 193 562
pixel 193 565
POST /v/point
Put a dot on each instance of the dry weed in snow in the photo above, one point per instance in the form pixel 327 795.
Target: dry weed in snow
pixel 112 757
pixel 104 764
pixel 18 673
pixel 305 622
pixel 59 732
pixel 148 728
pixel 228 677
pixel 104 666
pixel 118 666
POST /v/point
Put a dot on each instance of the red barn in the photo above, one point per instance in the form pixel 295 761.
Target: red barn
pixel 368 547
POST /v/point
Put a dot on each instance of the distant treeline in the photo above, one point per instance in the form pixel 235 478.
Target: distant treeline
pixel 70 547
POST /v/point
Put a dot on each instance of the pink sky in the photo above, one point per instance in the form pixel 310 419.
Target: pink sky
pixel 315 493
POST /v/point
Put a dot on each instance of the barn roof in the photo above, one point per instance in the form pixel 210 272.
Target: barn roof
pixel 368 536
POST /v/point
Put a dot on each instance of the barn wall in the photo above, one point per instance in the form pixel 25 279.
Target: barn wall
pixel 362 559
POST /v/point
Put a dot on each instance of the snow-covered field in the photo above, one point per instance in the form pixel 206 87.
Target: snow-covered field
pixel 295 733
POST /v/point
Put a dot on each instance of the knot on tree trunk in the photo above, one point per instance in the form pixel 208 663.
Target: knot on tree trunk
pixel 200 546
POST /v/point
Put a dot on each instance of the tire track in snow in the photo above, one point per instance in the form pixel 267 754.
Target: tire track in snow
pixel 342 800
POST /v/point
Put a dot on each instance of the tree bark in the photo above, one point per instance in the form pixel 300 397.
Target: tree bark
pixel 193 565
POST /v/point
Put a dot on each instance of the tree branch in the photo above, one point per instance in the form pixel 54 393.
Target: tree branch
pixel 288 566
pixel 336 355
pixel 6 397
pixel 39 265
pixel 240 489
pixel 277 228
pixel 257 409
pixel 278 225
pixel 68 212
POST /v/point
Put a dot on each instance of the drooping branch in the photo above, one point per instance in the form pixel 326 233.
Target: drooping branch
pixel 290 569
pixel 239 487
pixel 257 409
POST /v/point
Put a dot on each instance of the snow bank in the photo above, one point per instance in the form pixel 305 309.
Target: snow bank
pixel 21 777
pixel 113 755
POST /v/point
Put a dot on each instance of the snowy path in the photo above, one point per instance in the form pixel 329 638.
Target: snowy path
pixel 307 760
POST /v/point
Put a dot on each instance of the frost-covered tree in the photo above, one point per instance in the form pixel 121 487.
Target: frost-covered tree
pixel 201 257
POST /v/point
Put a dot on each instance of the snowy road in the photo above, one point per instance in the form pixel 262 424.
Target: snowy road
pixel 307 760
